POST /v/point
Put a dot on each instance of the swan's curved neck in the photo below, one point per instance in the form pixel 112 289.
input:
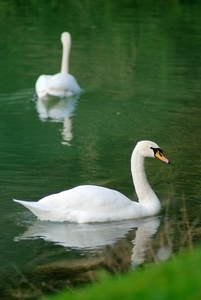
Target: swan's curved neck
pixel 66 42
pixel 146 195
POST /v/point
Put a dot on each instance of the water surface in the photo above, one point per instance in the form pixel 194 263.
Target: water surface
pixel 139 66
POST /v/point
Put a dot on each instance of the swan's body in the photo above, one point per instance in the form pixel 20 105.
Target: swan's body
pixel 90 203
pixel 60 85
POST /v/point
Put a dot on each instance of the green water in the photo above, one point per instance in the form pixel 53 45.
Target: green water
pixel 139 65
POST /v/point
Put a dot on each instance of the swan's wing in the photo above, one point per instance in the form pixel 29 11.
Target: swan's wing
pixel 88 197
pixel 63 85
pixel 42 84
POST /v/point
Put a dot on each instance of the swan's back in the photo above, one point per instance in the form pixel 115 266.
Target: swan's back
pixel 59 85
pixel 88 197
pixel 64 85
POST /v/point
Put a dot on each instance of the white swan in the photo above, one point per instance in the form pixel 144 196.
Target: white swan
pixel 60 85
pixel 88 203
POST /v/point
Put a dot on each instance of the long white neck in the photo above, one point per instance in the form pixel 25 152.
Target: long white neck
pixel 146 195
pixel 66 42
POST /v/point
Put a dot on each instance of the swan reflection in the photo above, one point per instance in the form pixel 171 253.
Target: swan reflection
pixel 58 110
pixel 93 236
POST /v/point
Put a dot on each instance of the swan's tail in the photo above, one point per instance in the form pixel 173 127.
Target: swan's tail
pixel 48 213
pixel 36 208
pixel 30 205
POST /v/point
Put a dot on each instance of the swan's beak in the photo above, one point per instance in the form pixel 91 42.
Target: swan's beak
pixel 160 156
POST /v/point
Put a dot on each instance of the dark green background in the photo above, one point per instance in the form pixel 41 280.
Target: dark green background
pixel 139 65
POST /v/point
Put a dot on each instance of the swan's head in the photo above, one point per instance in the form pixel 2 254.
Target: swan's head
pixel 65 37
pixel 150 149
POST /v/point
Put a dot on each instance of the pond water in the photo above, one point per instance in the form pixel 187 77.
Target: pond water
pixel 139 64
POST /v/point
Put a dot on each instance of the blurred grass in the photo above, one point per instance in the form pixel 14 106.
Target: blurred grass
pixel 178 278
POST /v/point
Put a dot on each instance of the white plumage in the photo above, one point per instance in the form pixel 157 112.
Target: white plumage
pixel 89 203
pixel 60 85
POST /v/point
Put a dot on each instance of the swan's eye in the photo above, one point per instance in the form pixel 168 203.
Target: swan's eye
pixel 157 150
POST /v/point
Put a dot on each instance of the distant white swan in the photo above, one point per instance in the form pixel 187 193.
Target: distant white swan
pixel 60 85
pixel 90 203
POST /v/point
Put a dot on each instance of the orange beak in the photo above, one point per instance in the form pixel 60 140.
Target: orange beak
pixel 160 156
